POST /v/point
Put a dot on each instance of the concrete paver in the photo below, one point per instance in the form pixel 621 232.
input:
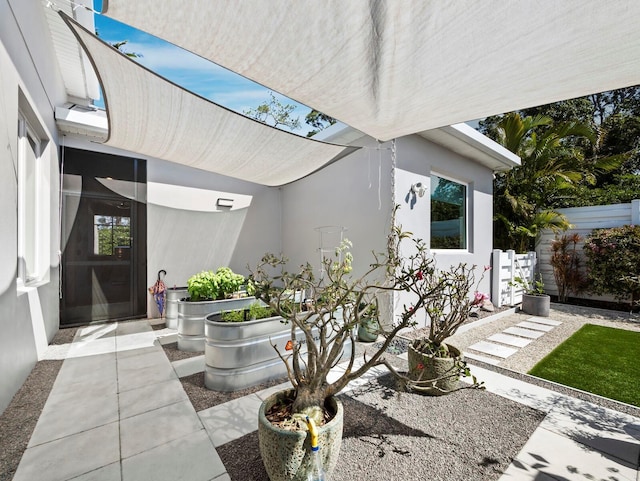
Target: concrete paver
pixel 493 349
pixel 509 340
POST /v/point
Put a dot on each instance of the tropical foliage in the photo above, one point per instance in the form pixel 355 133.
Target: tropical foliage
pixel 613 262
pixel 550 168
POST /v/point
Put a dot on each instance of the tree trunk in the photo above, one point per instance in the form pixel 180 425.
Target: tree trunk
pixel 310 402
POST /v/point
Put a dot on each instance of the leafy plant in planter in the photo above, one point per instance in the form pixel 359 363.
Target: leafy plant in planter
pixel 534 299
pixel 209 285
pixel 313 393
pixel 254 312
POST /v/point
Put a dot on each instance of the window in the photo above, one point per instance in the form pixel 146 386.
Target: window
pixel 111 236
pixel 448 214
pixel 33 206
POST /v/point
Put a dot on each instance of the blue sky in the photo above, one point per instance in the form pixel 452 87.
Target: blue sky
pixel 190 71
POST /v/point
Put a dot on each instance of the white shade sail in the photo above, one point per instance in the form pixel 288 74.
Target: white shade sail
pixel 151 116
pixel 395 67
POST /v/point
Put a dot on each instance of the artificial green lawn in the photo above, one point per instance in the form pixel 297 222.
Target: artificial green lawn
pixel 599 360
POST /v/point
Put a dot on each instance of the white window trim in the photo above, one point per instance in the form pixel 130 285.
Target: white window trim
pixel 41 207
pixel 466 215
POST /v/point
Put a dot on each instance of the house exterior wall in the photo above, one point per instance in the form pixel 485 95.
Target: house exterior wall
pixel 28 315
pixel 184 242
pixel 417 160
pixel 355 193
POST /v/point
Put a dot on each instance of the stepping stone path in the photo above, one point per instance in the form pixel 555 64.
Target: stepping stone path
pixel 506 343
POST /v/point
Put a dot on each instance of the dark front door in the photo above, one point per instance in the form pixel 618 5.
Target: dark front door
pixel 104 238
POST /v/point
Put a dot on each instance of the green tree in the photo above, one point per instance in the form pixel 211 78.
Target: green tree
pixel 551 165
pixel 275 113
pixel 318 121
pixel 120 47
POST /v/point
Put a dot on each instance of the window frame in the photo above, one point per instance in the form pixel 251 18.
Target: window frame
pixel 467 202
pixel 33 210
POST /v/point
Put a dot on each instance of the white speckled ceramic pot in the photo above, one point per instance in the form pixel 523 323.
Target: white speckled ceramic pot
pixel 286 454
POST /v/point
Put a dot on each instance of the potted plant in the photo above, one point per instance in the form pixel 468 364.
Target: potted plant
pixel 318 339
pixel 431 360
pixel 369 325
pixel 534 299
pixel 209 292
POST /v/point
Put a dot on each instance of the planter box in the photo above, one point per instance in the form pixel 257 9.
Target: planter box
pixel 191 316
pixel 174 294
pixel 240 354
pixel 536 305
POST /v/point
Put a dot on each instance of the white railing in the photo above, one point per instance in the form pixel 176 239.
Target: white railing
pixel 506 267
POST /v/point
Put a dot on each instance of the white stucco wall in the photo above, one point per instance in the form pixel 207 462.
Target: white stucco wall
pixel 355 193
pixel 28 316
pixel 417 160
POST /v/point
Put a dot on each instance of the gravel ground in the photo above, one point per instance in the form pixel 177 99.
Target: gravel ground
pixel 469 435
pixel 203 398
pixel 19 419
pixel 174 354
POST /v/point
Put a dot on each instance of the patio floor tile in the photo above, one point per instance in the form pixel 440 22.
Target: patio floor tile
pixel 133 377
pixel 232 419
pixel 63 415
pixel 189 458
pixel 154 428
pixel 150 397
pixel 107 473
pixel 613 433
pixel 71 456
pixel 566 459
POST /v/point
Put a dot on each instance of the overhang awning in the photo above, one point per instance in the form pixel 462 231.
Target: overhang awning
pixel 151 116
pixel 396 67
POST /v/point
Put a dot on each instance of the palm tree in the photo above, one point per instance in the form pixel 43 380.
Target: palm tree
pixel 550 167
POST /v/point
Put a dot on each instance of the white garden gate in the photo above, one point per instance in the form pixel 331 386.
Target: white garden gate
pixel 506 267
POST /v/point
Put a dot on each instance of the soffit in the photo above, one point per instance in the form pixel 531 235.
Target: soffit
pixel 79 79
pixel 151 116
pixel 392 68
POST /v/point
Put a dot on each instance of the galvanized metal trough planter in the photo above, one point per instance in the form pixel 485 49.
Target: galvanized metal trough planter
pixel 174 294
pixel 191 317
pixel 241 354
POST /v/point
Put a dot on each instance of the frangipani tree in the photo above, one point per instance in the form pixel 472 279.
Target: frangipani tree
pixel 339 303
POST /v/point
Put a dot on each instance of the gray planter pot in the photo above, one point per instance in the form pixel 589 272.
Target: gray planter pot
pixel 536 305
pixel 368 330
pixel 191 316
pixel 241 354
pixel 433 368
pixel 174 294
pixel 286 454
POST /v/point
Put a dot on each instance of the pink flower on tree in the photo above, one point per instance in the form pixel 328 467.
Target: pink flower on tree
pixel 479 298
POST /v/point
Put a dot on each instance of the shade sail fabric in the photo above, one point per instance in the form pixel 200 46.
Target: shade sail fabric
pixel 395 67
pixel 151 116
